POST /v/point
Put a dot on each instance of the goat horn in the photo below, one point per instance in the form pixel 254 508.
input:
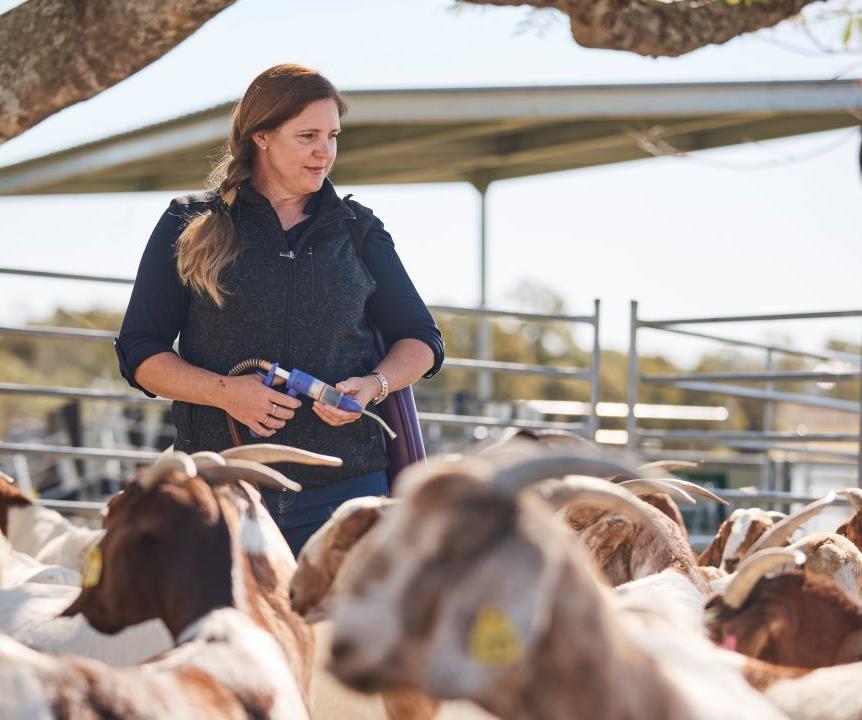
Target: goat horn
pixel 250 471
pixel 415 475
pixel 854 495
pixel 669 465
pixel 554 464
pixel 206 459
pixel 784 529
pixel 694 489
pixel 776 514
pixel 271 453
pixel 644 486
pixel 164 464
pixel 592 491
pixel 755 567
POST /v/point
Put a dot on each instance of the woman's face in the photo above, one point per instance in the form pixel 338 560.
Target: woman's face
pixel 300 152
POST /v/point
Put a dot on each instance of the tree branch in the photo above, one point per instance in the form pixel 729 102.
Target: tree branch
pixel 54 53
pixel 660 28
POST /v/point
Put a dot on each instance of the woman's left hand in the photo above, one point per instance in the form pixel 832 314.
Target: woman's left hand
pixel 361 389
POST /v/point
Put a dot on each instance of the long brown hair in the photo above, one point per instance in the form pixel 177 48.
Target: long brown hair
pixel 208 243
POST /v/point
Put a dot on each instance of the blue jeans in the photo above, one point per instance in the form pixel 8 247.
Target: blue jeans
pixel 300 514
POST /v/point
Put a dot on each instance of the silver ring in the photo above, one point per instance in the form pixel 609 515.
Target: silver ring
pixel 274 408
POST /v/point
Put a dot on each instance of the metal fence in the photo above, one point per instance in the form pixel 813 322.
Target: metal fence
pixel 766 439
pixel 127 457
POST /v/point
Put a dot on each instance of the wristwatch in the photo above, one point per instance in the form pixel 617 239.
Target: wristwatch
pixel 384 387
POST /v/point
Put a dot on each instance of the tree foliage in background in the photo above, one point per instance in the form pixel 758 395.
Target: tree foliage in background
pixel 55 53
pixel 67 363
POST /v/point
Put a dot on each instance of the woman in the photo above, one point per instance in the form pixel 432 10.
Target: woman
pixel 265 265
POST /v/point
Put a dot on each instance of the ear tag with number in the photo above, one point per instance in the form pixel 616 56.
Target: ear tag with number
pixel 92 568
pixel 494 639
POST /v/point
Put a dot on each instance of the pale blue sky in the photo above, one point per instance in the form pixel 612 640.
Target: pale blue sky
pixel 685 236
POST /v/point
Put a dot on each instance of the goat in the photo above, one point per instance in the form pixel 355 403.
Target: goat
pixel 829 555
pixel 17 568
pixel 748 530
pixel 471 590
pixel 40 532
pixel 626 549
pixel 852 529
pixel 735 536
pixel 338 541
pixel 793 618
pixel 191 543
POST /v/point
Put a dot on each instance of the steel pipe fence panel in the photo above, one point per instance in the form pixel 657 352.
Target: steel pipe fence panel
pixel 755 318
pixel 738 391
pixel 766 440
pixel 719 436
pixel 447 419
pixel 78 453
pixel 22 449
pixel 81 508
pixel 736 342
pixel 517 368
pixel 58 333
pixel 797 376
pixel 78 394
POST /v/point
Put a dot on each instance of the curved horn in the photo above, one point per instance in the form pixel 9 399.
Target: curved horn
pixel 694 489
pixel 755 567
pixel 554 464
pixel 600 493
pixel 643 486
pixel 250 471
pixel 414 476
pixel 784 529
pixel 206 459
pixel 854 495
pixel 776 515
pixel 271 453
pixel 669 465
pixel 164 464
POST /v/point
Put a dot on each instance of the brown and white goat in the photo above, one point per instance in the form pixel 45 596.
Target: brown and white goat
pixel 626 548
pixel 336 544
pixel 471 590
pixel 852 529
pixel 735 537
pixel 792 618
pixel 193 545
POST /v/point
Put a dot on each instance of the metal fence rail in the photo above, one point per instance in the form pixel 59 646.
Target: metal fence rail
pixel 767 439
pixel 590 375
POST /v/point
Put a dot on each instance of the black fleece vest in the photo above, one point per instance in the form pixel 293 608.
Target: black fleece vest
pixel 303 308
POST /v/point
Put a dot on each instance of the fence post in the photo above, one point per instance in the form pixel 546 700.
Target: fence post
pixel 596 372
pixel 631 421
pixel 859 452
pixel 767 480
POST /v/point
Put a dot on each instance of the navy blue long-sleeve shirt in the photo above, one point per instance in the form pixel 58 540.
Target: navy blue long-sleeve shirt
pixel 159 301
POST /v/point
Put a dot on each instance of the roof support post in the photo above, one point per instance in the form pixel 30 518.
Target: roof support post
pixel 484 337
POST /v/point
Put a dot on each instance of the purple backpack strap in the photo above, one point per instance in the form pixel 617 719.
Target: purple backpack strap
pixel 399 412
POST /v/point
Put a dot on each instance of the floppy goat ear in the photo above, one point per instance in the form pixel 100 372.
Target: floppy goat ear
pixel 491 622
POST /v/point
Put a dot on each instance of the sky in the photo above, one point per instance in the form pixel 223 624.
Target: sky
pixel 772 227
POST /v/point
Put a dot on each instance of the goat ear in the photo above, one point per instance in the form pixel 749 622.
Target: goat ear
pixel 712 555
pixel 490 624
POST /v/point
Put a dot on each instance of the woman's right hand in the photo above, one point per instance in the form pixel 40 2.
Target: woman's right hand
pixel 260 408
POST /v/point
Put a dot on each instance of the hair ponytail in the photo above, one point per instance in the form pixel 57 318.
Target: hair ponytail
pixel 208 243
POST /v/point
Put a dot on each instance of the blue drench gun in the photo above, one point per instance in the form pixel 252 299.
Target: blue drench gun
pixel 301 383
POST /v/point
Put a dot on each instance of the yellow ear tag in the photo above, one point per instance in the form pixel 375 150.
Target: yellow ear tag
pixel 494 639
pixel 92 568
